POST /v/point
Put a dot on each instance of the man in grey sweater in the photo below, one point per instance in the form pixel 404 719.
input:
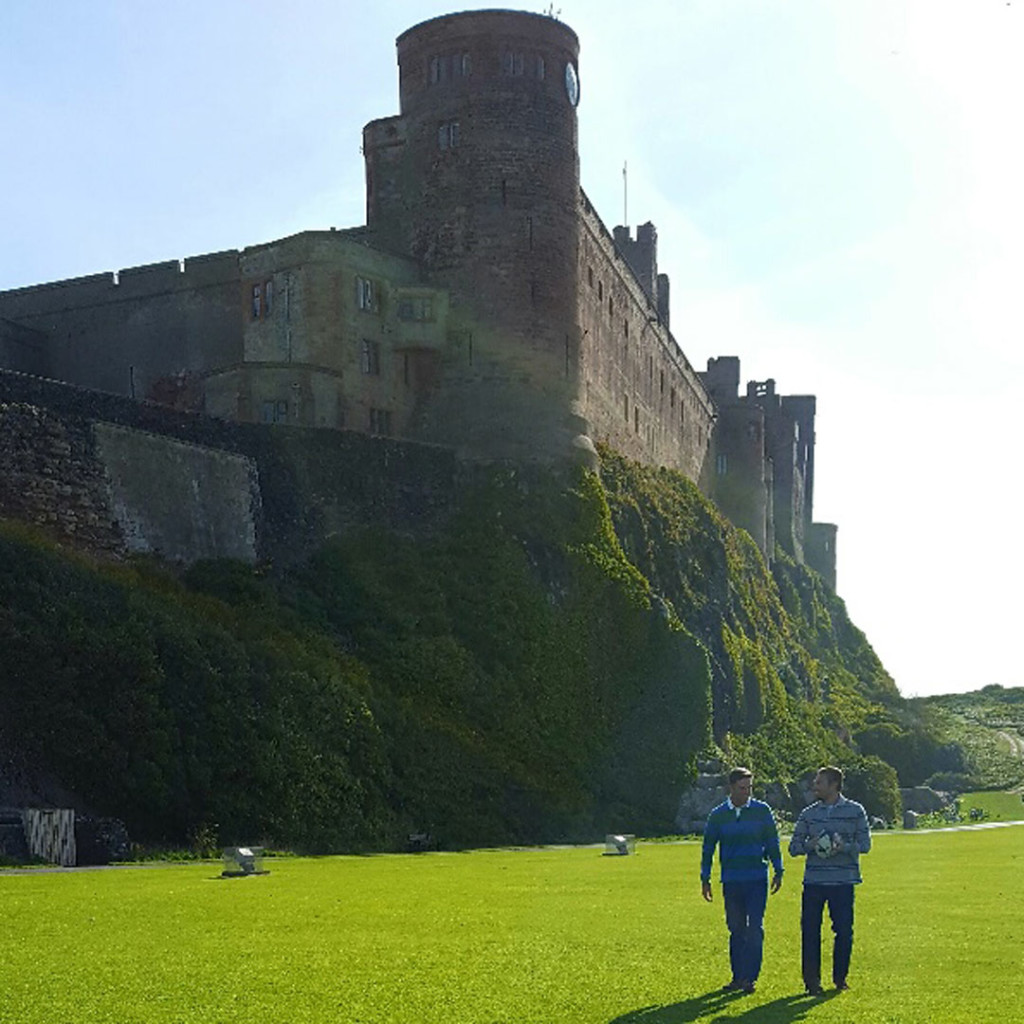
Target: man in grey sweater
pixel 832 833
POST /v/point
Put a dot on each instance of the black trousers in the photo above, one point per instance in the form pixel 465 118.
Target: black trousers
pixel 839 899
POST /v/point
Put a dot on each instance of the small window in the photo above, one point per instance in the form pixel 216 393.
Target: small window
pixel 380 421
pixel 438 69
pixel 671 398
pixel 611 306
pixel 268 297
pixel 257 301
pixel 625 407
pixel 600 291
pixel 540 67
pixel 420 308
pixel 274 412
pixel 366 294
pixel 590 276
pixel 636 420
pixel 370 361
pixel 448 135
pixel 661 387
pixel 513 63
pixel 461 65
pixel 721 464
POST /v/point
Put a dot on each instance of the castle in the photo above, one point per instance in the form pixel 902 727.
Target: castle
pixel 484 306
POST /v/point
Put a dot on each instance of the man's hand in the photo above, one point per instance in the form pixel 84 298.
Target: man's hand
pixel 776 884
pixel 705 890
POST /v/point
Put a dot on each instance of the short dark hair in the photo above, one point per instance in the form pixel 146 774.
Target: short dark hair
pixel 739 773
pixel 833 774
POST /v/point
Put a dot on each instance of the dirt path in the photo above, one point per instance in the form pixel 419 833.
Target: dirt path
pixel 1016 750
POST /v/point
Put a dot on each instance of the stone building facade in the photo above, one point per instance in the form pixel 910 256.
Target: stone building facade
pixel 484 306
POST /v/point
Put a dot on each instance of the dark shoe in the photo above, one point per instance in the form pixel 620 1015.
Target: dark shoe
pixel 814 990
pixel 734 986
pixel 841 986
pixel 748 987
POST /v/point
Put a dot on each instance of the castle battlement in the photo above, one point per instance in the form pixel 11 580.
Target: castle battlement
pixel 484 306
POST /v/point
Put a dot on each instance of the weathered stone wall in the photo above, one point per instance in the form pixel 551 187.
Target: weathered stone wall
pixel 50 476
pixel 127 333
pixel 638 391
pixel 112 489
pixel 115 475
pixel 743 477
pixel 181 501
pixel 820 551
pixel 22 349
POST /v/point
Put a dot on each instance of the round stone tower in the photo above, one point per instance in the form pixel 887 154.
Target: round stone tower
pixel 478 178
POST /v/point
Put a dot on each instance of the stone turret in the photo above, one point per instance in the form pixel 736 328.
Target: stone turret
pixel 478 178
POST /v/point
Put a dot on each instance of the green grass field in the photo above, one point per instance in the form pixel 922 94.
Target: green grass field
pixel 549 935
pixel 998 806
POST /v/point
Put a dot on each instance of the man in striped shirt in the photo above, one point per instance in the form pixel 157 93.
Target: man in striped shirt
pixel 744 831
pixel 832 833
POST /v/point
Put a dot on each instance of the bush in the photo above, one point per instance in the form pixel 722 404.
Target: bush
pixel 951 782
pixel 873 783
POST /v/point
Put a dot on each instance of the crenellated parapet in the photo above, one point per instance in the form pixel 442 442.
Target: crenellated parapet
pixel 484 306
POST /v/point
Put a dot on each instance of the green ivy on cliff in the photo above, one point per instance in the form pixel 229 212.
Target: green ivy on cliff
pixel 506 679
pixel 792 678
pixel 546 665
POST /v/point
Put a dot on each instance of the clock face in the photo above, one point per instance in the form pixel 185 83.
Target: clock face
pixel 572 84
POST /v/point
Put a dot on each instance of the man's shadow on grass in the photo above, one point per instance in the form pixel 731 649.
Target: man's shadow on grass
pixel 709 1006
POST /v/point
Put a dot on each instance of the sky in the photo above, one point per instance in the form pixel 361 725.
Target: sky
pixel 836 187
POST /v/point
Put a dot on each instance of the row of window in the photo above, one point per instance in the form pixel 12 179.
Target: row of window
pixel 600 296
pixel 636 419
pixel 418 308
pixel 625 332
pixel 517 64
pixel 448 67
pixel 379 420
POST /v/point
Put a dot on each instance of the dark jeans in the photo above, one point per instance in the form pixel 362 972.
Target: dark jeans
pixel 744 917
pixel 840 911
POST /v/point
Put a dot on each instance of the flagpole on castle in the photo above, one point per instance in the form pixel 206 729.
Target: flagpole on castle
pixel 625 197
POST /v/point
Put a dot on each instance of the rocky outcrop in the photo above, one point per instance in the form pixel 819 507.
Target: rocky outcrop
pixel 924 799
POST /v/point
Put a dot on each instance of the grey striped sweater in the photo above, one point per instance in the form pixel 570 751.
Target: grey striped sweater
pixel 845 818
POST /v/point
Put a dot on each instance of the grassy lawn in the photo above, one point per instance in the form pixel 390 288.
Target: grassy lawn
pixel 504 936
pixel 999 806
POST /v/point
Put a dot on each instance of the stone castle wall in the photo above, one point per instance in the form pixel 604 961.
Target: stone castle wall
pixel 638 391
pixel 126 332
pixel 546 333
pixel 117 476
pixel 21 348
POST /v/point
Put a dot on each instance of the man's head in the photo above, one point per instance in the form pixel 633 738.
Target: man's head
pixel 828 783
pixel 740 781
